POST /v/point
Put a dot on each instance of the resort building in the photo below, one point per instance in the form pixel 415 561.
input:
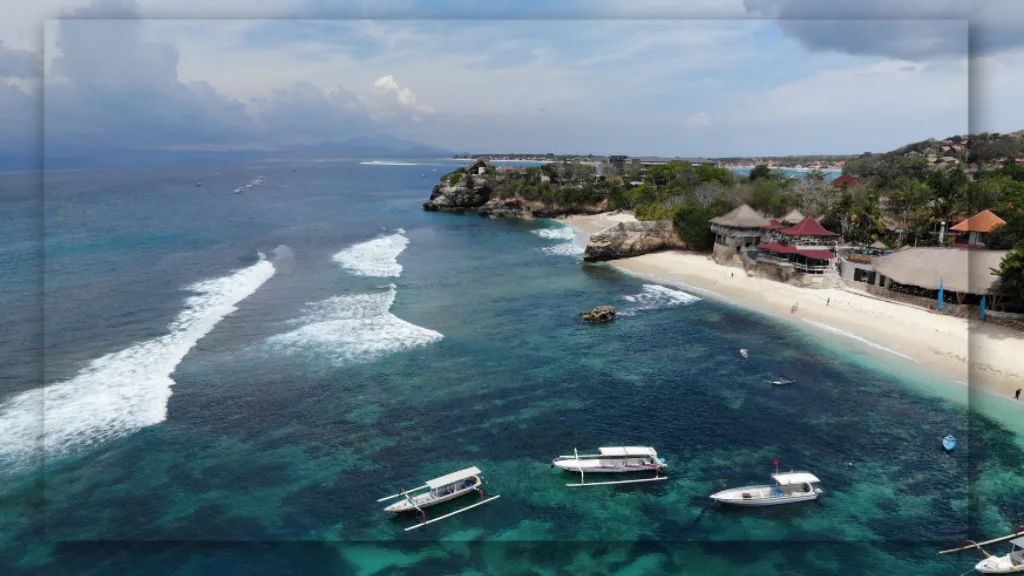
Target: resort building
pixel 963 275
pixel 807 247
pixel 737 230
pixel 845 181
pixel 971 232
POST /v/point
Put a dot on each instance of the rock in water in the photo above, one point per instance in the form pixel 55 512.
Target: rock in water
pixel 600 314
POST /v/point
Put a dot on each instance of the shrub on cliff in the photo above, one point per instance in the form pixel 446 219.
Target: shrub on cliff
pixel 691 223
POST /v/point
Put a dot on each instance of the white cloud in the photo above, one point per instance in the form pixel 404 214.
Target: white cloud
pixel 386 85
pixel 699 119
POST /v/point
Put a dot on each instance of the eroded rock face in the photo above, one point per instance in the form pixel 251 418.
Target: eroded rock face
pixel 467 193
pixel 628 239
pixel 599 315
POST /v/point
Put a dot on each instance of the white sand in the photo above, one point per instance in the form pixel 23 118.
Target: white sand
pixel 995 361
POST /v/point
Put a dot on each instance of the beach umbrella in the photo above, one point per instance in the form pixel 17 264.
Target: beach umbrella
pixel 983 305
pixel 942 292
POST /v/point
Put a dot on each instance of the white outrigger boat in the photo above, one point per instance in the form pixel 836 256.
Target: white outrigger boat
pixel 1012 563
pixel 440 489
pixel 789 487
pixel 782 381
pixel 611 460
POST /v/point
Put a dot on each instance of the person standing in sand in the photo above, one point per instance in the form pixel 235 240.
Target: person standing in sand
pixel 794 308
pixel 1017 395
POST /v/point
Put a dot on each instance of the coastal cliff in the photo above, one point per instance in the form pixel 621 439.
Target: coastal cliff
pixel 628 239
pixel 509 192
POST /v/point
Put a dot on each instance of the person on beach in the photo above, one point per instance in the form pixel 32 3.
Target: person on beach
pixel 794 308
pixel 828 301
pixel 1017 395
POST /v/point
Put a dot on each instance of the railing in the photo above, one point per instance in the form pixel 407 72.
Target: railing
pixel 811 269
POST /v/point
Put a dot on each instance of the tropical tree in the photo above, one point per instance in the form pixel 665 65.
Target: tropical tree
pixel 1011 273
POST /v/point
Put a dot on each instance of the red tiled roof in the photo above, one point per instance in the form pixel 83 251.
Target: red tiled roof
pixel 845 180
pixel 808 227
pixel 984 221
pixel 819 254
pixel 776 247
pixel 772 225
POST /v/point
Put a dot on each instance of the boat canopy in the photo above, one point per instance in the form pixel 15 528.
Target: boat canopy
pixel 627 451
pixel 453 477
pixel 795 478
pixel 1018 542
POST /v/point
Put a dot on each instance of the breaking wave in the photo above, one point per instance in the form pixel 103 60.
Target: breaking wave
pixel 564 249
pixel 377 257
pixel 393 163
pixel 653 296
pixel 355 329
pixel 120 393
pixel 561 233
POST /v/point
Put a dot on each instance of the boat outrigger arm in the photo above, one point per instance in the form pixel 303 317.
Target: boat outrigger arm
pixel 972 545
pixel 657 476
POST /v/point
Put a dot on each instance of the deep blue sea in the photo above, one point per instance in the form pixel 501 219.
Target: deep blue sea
pixel 233 380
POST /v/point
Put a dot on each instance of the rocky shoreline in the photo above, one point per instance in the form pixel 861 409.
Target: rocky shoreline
pixel 472 193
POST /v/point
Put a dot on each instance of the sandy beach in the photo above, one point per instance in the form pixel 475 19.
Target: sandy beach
pixel 984 354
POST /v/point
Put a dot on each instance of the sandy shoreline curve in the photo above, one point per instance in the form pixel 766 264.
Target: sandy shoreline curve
pixel 984 354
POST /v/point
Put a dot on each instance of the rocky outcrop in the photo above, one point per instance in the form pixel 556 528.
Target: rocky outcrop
pixel 599 315
pixel 517 207
pixel 466 193
pixel 628 239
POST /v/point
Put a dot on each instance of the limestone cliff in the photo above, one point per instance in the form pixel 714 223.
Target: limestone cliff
pixel 628 239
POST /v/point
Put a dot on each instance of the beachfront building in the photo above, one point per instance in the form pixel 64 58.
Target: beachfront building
pixel 807 247
pixel 736 231
pixel 971 232
pixel 917 274
pixel 792 217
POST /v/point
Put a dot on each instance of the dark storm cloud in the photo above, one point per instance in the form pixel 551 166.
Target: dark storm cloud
pixel 910 29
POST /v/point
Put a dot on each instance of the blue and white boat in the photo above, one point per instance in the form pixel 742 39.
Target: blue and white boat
pixel 949 442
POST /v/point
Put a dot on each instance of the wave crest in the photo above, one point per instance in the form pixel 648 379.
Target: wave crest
pixel 353 329
pixel 120 393
pixel 377 257
pixel 654 296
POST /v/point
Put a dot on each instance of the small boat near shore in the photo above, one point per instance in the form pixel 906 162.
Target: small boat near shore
pixel 789 488
pixel 439 490
pixel 613 460
pixel 782 382
pixel 743 352
pixel 1011 563
pixel 949 442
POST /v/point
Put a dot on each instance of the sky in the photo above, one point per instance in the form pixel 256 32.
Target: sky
pixel 637 77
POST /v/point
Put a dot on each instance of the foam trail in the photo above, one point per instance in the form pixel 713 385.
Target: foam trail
pixel 564 249
pixel 394 163
pixel 378 257
pixel 834 330
pixel 654 296
pixel 354 329
pixel 120 393
pixel 562 233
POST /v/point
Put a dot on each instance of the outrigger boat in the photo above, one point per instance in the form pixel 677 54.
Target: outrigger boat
pixel 743 352
pixel 611 460
pixel 441 489
pixel 782 382
pixel 1011 563
pixel 789 487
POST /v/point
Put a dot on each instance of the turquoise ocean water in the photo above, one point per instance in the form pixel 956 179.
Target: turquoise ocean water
pixel 233 381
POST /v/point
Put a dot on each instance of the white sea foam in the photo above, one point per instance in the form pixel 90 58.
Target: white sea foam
pixel 120 393
pixel 654 296
pixel 393 163
pixel 561 233
pixel 356 329
pixel 865 341
pixel 378 257
pixel 564 249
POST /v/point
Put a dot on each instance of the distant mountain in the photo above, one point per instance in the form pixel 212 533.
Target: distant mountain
pixel 86 158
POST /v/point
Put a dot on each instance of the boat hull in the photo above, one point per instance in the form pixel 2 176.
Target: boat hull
pixel 998 565
pixel 762 496
pixel 428 499
pixel 598 467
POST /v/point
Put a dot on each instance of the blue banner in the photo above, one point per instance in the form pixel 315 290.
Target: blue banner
pixel 942 294
pixel 983 306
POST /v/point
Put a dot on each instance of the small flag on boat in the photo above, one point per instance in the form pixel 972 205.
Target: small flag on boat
pixel 776 461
